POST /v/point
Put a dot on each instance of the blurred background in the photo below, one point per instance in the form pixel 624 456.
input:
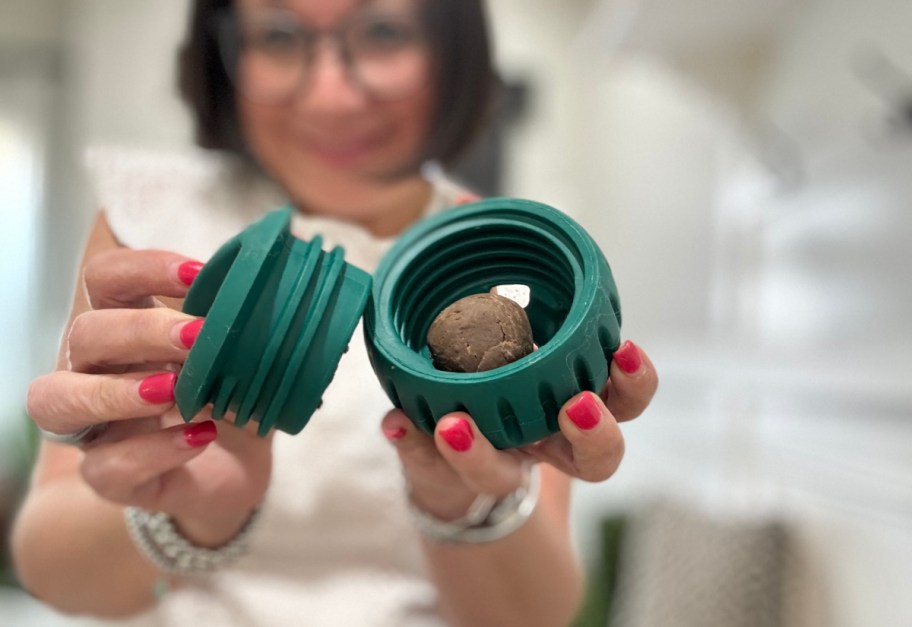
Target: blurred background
pixel 746 167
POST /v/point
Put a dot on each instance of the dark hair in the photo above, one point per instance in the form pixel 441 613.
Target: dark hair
pixel 465 78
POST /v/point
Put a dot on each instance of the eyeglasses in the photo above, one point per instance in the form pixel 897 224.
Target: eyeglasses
pixel 270 54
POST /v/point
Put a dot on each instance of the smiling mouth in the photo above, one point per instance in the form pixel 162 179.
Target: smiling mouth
pixel 341 152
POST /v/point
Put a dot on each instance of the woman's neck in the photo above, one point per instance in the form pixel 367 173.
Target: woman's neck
pixel 384 209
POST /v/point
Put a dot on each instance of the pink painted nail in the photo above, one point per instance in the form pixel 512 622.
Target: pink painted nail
pixel 188 270
pixel 464 199
pixel 458 435
pixel 585 412
pixel 158 388
pixel 200 434
pixel 190 331
pixel 627 357
pixel 394 434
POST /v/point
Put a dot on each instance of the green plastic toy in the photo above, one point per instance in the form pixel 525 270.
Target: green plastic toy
pixel 573 309
pixel 280 313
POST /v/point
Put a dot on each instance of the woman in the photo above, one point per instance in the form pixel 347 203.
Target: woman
pixel 338 104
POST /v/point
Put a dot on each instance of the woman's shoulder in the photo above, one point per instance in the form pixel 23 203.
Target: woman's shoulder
pixel 187 201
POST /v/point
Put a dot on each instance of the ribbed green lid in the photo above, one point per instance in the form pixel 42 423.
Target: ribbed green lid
pixel 280 313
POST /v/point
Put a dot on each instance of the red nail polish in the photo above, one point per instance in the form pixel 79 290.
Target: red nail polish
pixel 188 270
pixel 585 412
pixel 190 331
pixel 628 357
pixel 200 434
pixel 464 199
pixel 158 388
pixel 394 434
pixel 458 435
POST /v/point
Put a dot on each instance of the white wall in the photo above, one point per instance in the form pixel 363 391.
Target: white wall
pixel 29 34
pixel 32 23
pixel 116 86
pixel 531 39
pixel 124 60
pixel 776 307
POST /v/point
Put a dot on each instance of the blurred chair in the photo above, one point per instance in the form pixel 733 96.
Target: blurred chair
pixel 670 565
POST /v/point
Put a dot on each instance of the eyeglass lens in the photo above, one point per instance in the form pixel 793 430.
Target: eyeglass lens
pixel 270 54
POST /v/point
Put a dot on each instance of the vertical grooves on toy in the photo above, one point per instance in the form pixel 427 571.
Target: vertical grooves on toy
pixel 584 378
pixel 615 301
pixel 548 400
pixel 290 309
pixel 391 392
pixel 425 417
pixel 328 283
pixel 222 397
pixel 606 343
pixel 512 429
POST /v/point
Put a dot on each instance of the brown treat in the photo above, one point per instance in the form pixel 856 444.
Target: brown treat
pixel 479 332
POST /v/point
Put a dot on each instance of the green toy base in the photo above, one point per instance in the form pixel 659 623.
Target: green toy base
pixel 574 311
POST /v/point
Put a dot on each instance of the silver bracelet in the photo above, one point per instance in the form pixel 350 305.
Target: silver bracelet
pixel 487 519
pixel 159 540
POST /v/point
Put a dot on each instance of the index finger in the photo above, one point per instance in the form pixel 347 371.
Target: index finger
pixel 65 402
pixel 122 277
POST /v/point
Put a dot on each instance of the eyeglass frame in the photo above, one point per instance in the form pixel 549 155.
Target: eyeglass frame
pixel 230 57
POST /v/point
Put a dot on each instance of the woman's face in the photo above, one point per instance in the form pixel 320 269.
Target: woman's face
pixel 318 122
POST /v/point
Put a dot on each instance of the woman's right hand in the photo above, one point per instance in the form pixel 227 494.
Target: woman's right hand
pixel 122 356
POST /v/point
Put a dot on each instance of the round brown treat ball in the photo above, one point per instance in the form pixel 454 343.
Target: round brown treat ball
pixel 479 332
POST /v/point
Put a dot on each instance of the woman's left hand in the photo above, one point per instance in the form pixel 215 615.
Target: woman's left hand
pixel 448 471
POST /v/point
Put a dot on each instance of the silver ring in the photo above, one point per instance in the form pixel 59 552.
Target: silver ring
pixel 79 438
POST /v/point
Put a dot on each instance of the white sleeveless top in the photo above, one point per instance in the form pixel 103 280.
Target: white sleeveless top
pixel 334 544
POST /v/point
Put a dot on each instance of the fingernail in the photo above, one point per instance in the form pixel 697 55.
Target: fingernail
pixel 158 388
pixel 458 435
pixel 627 357
pixel 464 199
pixel 585 412
pixel 188 270
pixel 394 434
pixel 200 434
pixel 190 331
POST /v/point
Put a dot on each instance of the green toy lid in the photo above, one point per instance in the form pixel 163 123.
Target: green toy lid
pixel 279 314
